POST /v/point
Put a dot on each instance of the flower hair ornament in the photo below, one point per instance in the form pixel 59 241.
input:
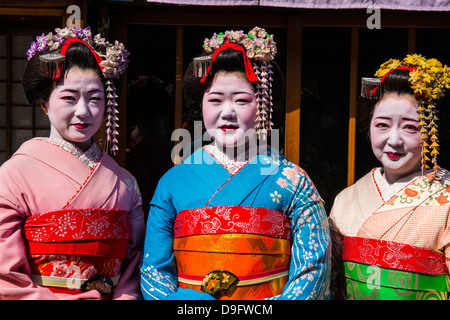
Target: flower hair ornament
pixel 111 58
pixel 258 49
pixel 429 79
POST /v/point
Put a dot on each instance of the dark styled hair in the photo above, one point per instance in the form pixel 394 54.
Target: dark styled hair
pixel 228 61
pixel 39 88
pixel 397 82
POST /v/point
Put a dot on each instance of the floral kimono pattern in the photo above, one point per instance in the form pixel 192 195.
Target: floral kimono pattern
pixel 267 183
pixel 70 222
pixel 398 229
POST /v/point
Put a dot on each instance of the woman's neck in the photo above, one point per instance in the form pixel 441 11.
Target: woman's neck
pixel 83 146
pixel 392 178
pixel 238 153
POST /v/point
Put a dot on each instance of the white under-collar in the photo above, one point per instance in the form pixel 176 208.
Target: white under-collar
pixel 89 157
pixel 388 190
pixel 233 164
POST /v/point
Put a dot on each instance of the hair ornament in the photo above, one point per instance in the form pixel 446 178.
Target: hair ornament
pixel 202 66
pixel 429 79
pixel 51 65
pixel 111 118
pixel 258 48
pixel 371 88
pixel 111 58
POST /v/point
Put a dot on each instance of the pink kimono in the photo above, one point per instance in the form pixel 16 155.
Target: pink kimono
pixel 71 225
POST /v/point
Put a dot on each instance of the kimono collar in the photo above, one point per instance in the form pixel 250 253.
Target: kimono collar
pixel 233 164
pixel 90 157
pixel 388 190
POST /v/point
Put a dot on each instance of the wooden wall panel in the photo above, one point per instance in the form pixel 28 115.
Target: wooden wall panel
pixel 293 87
pixel 352 108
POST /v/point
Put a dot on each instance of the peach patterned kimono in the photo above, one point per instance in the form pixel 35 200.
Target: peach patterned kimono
pixel 392 241
pixel 71 224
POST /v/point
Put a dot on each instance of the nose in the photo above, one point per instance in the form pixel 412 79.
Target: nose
pixel 395 139
pixel 82 108
pixel 227 111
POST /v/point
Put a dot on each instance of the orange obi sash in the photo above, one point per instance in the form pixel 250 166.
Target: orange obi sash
pixel 247 244
pixel 76 250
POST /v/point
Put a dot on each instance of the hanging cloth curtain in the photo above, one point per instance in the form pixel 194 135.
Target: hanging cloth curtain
pixel 410 5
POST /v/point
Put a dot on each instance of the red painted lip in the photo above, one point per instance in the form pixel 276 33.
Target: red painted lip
pixel 394 155
pixel 228 128
pixel 81 125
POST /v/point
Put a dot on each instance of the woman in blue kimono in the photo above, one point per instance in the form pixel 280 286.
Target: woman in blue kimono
pixel 236 220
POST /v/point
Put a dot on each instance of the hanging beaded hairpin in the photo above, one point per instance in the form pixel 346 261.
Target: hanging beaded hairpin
pixel 260 49
pixel 112 60
pixel 429 79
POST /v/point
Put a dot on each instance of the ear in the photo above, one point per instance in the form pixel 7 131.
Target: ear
pixel 44 107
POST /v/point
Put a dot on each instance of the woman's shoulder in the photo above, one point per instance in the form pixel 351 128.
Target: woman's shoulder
pixel 13 166
pixel 444 174
pixel 19 162
pixel 441 176
pixel 288 168
pixel 362 182
pixel 122 173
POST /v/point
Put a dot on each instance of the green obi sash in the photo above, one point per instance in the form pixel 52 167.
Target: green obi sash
pixel 384 270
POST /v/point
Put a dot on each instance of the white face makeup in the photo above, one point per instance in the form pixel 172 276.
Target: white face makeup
pixel 395 136
pixel 229 109
pixel 76 107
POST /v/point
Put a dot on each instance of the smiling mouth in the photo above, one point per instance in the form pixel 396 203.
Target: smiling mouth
pixel 228 128
pixel 394 155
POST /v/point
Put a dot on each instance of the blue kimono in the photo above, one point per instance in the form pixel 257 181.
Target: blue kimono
pixel 267 180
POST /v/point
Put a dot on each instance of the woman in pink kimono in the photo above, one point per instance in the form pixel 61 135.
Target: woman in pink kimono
pixel 71 223
pixel 391 229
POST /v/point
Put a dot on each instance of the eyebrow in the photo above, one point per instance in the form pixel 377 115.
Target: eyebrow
pixel 403 118
pixel 76 91
pixel 409 119
pixel 238 92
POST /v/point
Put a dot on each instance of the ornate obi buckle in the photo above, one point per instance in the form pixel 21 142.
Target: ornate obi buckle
pixel 219 283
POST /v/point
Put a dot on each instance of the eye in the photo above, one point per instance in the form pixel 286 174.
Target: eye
pixel 68 98
pixel 381 125
pixel 242 101
pixel 95 99
pixel 411 128
pixel 214 100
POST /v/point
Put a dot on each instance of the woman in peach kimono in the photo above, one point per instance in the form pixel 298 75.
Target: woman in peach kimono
pixel 390 230
pixel 71 223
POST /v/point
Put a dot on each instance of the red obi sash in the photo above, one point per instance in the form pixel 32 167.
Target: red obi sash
pixel 392 255
pixel 215 220
pixel 70 250
pixel 252 244
pixel 386 270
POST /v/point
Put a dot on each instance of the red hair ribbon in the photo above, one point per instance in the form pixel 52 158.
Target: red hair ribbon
pixel 410 69
pixel 70 41
pixel 248 66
